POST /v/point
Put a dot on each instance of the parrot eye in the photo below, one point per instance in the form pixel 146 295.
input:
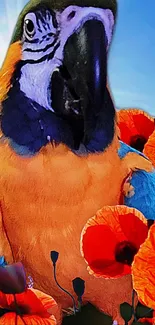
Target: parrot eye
pixel 29 28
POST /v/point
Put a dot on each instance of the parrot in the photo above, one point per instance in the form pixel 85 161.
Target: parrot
pixel 59 160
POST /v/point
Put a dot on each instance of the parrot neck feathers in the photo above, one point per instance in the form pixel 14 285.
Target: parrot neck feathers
pixel 29 125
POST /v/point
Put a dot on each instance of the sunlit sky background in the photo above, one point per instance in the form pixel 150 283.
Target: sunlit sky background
pixel 132 54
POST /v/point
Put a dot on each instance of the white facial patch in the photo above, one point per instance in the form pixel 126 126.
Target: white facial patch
pixel 35 83
pixel 81 15
pixel 45 52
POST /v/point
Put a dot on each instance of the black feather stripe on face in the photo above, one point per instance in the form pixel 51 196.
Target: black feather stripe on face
pixel 44 49
pixel 42 58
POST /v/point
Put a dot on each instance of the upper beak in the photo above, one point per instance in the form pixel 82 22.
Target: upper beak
pixel 85 58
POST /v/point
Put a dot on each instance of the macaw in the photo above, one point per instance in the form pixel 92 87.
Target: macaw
pixel 59 159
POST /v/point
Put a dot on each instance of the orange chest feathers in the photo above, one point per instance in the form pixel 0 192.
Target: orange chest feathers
pixel 56 187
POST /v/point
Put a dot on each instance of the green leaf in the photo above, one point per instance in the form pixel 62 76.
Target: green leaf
pixel 142 310
pixel 89 315
pixel 126 311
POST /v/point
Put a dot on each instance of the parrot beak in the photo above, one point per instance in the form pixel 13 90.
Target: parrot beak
pixel 82 79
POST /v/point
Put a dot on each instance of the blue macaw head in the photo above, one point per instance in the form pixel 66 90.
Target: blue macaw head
pixel 58 89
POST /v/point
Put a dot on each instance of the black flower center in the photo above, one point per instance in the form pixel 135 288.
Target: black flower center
pixel 125 252
pixel 138 142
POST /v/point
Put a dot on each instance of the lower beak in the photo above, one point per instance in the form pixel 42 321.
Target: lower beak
pixel 85 58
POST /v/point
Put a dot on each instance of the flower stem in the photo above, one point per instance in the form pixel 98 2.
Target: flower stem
pixel 16 319
pixel 22 319
pixel 18 312
pixel 68 293
pixel 133 307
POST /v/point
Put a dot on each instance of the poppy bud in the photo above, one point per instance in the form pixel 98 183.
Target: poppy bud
pixel 79 287
pixel 54 256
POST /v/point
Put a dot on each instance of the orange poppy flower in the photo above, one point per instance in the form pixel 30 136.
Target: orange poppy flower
pixel 30 308
pixel 110 240
pixel 135 127
pixel 149 148
pixel 143 270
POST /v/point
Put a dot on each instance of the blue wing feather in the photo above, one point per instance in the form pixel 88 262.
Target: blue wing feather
pixel 144 185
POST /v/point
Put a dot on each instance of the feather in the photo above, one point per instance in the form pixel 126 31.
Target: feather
pixel 143 183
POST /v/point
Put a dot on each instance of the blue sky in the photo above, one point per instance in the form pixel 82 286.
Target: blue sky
pixel 132 54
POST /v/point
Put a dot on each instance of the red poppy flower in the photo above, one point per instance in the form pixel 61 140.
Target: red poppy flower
pixel 149 148
pixel 110 240
pixel 30 308
pixel 135 127
pixel 143 270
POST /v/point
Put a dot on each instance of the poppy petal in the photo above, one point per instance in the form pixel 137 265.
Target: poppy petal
pixel 130 225
pixel 10 319
pixel 31 302
pixel 146 321
pixel 102 234
pixel 149 148
pixel 135 127
pixel 143 270
pixel 3 300
pixel 12 278
pixel 34 302
pixel 37 320
pixel 108 269
pixel 48 303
